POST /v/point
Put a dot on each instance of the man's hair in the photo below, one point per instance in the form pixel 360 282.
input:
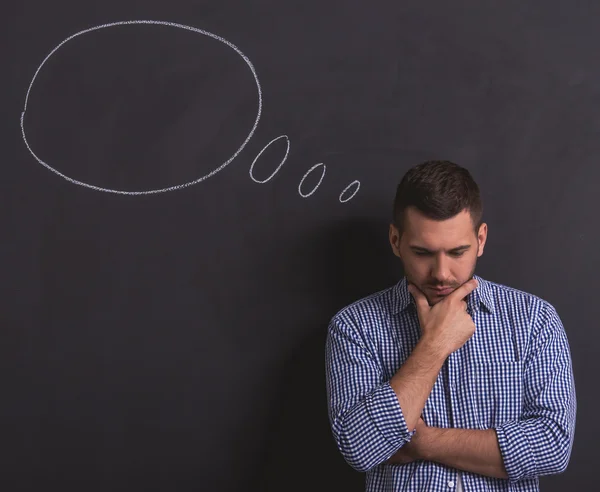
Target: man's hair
pixel 439 190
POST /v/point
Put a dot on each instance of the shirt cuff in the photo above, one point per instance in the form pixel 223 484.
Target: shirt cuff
pixel 515 450
pixel 385 412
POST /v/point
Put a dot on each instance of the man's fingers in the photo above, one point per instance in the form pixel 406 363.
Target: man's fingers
pixel 401 457
pixel 465 289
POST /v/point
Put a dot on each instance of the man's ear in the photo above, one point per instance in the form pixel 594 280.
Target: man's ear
pixel 481 238
pixel 394 235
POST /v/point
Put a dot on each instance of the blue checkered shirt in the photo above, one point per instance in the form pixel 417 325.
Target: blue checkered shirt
pixel 513 375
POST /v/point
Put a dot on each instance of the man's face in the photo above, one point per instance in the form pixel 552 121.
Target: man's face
pixel 438 254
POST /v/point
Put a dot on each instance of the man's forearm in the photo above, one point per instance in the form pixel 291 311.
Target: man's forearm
pixel 475 451
pixel 415 379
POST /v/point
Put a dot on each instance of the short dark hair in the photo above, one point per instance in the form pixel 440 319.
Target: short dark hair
pixel 439 190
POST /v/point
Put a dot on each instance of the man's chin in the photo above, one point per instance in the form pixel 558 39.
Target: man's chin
pixel 433 302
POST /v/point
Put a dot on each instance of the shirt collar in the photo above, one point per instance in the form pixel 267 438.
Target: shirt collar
pixel 480 296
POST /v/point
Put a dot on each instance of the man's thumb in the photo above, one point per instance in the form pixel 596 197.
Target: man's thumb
pixel 418 295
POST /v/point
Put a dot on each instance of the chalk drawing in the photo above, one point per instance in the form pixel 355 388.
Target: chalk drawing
pixel 287 151
pixel 344 197
pixel 303 195
pixel 156 23
pixel 354 183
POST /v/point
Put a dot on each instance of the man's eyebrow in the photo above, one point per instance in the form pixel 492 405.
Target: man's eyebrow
pixel 458 249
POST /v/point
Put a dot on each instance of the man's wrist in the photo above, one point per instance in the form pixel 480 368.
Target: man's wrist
pixel 432 349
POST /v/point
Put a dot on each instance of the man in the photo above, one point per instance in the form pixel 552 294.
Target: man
pixel 447 381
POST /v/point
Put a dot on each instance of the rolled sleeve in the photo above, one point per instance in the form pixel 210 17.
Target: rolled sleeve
pixel 540 443
pixel 365 415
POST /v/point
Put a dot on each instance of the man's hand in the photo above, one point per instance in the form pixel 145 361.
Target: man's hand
pixel 446 326
pixel 415 449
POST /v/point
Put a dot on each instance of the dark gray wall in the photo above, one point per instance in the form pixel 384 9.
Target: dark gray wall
pixel 174 341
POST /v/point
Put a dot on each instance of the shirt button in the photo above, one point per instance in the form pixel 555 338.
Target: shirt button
pixel 451 484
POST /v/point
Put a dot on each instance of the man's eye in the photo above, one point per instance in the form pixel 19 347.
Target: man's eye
pixel 423 253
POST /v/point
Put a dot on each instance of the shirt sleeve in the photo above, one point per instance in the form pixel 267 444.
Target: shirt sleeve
pixel 540 442
pixel 364 412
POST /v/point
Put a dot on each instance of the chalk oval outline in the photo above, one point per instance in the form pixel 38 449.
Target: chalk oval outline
pixel 287 152
pixel 149 22
pixel 355 182
pixel 306 176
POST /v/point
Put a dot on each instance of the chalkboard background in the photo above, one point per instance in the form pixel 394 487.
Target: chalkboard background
pixel 174 340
